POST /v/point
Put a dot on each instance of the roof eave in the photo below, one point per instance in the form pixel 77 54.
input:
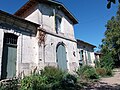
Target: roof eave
pixel 73 19
pixel 19 18
pixel 86 43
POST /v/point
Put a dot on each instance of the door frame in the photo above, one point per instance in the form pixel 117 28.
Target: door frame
pixel 61 43
pixel 9 45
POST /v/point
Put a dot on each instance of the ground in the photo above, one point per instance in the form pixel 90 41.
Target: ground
pixel 108 83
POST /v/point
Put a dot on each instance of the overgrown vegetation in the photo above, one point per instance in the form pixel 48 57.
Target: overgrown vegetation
pixel 105 65
pixel 87 72
pixel 50 78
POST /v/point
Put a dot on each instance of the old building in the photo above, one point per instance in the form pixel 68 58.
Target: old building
pixel 40 33
pixel 98 55
pixel 85 53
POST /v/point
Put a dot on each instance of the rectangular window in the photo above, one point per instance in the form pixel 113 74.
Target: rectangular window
pixel 81 57
pixel 58 23
pixel 89 58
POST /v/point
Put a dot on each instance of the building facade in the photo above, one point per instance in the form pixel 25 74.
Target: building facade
pixel 85 53
pixel 39 34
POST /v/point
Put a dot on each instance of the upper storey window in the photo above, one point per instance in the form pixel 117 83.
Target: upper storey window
pixel 58 20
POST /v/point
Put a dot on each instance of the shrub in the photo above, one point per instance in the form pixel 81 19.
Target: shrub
pixel 101 71
pixel 68 82
pixel 49 78
pixel 87 72
pixel 105 65
pixel 35 82
pixel 53 74
pixel 109 72
pixel 97 63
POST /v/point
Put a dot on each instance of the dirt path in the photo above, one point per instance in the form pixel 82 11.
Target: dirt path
pixel 110 83
pixel 115 80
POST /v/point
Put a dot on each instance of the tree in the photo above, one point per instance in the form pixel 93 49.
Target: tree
pixel 111 1
pixel 111 42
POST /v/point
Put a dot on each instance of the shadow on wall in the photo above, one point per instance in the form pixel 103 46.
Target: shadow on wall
pixel 16 29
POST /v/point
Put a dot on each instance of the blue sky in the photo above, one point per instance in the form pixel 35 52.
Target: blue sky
pixel 91 14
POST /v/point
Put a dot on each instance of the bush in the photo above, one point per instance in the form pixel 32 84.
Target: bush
pixel 53 74
pixel 34 82
pixel 101 71
pixel 48 79
pixel 109 72
pixel 68 82
pixel 105 65
pixel 87 72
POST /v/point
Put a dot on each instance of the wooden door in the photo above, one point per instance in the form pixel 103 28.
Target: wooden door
pixel 9 56
pixel 61 57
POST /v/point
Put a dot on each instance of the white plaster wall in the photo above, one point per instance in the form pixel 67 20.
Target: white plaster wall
pixel 92 58
pixel 50 52
pixel 27 51
pixel 91 55
pixel 68 28
pixel 1 47
pixel 43 15
pixel 29 54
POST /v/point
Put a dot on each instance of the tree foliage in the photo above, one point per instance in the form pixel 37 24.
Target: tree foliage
pixel 111 42
pixel 111 1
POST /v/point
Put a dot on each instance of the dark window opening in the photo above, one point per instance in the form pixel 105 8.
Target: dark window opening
pixel 58 23
pixel 81 58
pixel 10 38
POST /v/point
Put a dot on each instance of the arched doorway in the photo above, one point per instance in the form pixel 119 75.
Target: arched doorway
pixel 8 69
pixel 61 56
